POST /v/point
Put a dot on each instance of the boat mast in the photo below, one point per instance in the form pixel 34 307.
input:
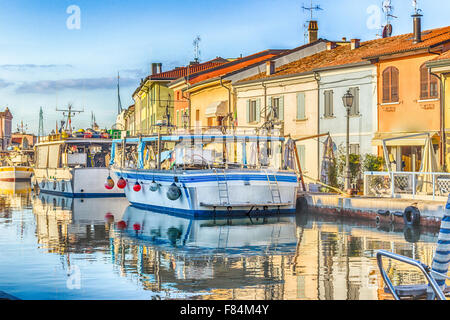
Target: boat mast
pixel 70 113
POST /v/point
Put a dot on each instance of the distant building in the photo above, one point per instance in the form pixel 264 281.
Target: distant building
pixel 5 128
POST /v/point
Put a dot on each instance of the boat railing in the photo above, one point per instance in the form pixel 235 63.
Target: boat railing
pixel 425 269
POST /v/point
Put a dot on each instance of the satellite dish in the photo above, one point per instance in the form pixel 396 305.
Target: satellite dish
pixel 387 30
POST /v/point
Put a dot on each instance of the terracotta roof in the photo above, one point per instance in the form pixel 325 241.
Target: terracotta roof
pixel 442 56
pixel 182 71
pixel 342 55
pixel 234 65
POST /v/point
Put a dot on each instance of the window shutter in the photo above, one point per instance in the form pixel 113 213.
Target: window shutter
pixel 248 111
pixel 328 103
pixel 269 105
pixel 394 84
pixel 301 106
pixel 258 111
pixel 355 106
pixel 386 86
pixel 281 108
pixel 301 155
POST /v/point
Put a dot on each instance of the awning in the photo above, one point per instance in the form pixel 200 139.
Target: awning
pixel 413 141
pixel 216 109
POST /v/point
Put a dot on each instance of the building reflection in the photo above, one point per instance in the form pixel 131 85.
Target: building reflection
pixel 272 257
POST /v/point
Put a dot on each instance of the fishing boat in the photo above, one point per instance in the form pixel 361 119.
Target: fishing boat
pixel 16 165
pixel 205 174
pixel 72 164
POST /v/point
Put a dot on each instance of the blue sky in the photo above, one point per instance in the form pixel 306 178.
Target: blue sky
pixel 44 63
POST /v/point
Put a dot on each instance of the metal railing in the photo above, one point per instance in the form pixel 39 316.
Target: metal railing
pixel 426 270
pixel 397 184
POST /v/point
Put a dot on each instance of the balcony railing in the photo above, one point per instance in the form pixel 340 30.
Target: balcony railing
pixel 401 184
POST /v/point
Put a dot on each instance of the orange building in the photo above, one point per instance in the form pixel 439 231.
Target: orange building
pixel 408 95
pixel 205 89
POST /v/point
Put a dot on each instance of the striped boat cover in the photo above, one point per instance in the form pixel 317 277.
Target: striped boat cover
pixel 441 258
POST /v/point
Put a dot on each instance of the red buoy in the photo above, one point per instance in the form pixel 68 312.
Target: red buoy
pixel 109 217
pixel 136 227
pixel 121 224
pixel 121 183
pixel 137 187
pixel 109 184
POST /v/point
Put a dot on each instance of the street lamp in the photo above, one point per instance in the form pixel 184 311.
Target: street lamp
pixel 347 99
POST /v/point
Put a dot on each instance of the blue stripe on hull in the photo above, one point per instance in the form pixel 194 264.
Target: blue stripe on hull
pixel 83 195
pixel 209 213
pixel 207 177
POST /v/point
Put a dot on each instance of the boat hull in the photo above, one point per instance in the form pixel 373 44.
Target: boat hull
pixel 15 173
pixel 202 191
pixel 76 182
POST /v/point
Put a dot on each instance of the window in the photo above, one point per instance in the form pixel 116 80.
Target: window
pixel 301 106
pixel 276 106
pixel 253 110
pixel 354 110
pixel 354 149
pixel 328 103
pixel 428 84
pixel 390 85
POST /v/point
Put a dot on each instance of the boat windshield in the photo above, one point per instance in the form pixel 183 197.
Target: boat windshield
pixel 200 152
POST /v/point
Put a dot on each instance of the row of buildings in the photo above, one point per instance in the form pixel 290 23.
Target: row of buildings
pixel 399 84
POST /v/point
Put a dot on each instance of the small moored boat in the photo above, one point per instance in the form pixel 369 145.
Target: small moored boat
pixel 206 174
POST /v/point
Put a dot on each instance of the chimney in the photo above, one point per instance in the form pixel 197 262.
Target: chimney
pixel 270 67
pixel 344 39
pixel 417 34
pixel 313 31
pixel 355 43
pixel 156 68
pixel 331 45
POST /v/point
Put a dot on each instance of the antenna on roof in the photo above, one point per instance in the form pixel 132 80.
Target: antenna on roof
pixel 415 5
pixel 307 24
pixel 196 44
pixel 387 9
pixel 311 8
pixel 119 103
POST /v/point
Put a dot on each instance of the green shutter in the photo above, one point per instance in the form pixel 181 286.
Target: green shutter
pixel 248 111
pixel 258 111
pixel 301 106
pixel 281 107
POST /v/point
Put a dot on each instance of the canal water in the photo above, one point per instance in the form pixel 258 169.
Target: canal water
pixel 53 247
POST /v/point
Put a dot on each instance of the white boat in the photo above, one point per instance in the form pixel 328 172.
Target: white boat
pixel 194 174
pixel 15 173
pixel 73 166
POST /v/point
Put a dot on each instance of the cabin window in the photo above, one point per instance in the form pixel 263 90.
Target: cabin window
pixel 428 84
pixel 328 103
pixel 390 85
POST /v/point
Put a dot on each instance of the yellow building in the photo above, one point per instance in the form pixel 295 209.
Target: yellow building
pixel 440 66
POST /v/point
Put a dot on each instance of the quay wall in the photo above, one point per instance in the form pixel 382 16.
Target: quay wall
pixel 359 207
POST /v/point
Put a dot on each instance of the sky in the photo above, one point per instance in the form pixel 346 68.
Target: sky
pixel 56 52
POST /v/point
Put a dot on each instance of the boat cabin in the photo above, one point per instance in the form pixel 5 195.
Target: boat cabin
pixel 73 153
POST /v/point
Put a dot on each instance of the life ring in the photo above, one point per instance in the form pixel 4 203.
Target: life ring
pixel 87 135
pixel 411 216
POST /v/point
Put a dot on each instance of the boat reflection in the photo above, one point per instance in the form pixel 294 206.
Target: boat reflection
pixel 67 224
pixel 14 195
pixel 245 235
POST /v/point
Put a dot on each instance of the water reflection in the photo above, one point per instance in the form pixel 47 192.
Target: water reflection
pixel 126 253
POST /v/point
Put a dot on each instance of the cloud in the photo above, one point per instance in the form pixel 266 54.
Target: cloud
pixel 23 67
pixel 4 83
pixel 50 86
